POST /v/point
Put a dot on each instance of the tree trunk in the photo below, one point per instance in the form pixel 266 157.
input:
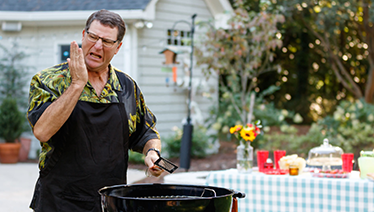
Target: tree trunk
pixel 369 88
pixel 343 76
pixel 369 39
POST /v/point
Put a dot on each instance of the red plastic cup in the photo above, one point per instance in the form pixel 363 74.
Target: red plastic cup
pixel 278 154
pixel 347 159
pixel 262 156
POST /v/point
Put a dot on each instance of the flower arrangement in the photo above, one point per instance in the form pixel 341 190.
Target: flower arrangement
pixel 247 132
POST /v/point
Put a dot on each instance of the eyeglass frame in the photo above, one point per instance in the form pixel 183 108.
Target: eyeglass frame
pixel 104 40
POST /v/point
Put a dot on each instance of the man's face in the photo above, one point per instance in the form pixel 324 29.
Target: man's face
pixel 96 55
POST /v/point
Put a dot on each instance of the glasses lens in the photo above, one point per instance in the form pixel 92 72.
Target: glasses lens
pixel 107 43
pixel 94 38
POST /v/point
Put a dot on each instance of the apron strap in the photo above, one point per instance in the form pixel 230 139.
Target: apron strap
pixel 122 78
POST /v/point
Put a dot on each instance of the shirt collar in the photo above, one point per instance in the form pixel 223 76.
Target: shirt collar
pixel 113 79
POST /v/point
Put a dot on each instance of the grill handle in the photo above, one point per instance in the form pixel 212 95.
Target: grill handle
pixel 209 189
pixel 238 194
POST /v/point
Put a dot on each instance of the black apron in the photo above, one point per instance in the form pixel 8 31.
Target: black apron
pixel 90 151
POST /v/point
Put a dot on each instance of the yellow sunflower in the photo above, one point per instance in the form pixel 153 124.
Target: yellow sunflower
pixel 235 129
pixel 247 134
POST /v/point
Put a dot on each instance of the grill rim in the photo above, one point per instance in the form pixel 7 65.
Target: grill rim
pixel 107 188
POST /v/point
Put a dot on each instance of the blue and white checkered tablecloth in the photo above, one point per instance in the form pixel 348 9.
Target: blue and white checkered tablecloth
pixel 284 193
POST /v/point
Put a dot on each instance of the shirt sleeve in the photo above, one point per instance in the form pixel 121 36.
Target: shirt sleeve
pixel 143 124
pixel 40 97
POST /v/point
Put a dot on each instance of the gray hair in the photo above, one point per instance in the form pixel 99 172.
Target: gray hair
pixel 108 18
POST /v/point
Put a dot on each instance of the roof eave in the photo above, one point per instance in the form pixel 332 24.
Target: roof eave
pixel 218 7
pixel 73 17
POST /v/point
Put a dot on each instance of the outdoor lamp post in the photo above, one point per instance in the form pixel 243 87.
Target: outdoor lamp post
pixel 186 143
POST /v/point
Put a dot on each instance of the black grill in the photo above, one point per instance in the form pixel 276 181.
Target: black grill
pixel 167 197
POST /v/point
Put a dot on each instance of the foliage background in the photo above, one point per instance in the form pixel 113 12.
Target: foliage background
pixel 324 80
pixel 13 95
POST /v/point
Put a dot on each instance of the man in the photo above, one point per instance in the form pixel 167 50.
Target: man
pixel 87 114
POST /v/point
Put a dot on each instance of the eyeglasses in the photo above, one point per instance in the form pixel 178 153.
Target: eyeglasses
pixel 94 38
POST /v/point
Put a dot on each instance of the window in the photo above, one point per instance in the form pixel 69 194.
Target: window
pixel 65 52
pixel 178 37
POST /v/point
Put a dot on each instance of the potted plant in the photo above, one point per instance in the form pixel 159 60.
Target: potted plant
pixel 11 128
pixel 13 99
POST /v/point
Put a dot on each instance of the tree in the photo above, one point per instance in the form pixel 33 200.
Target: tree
pixel 240 54
pixel 13 73
pixel 344 36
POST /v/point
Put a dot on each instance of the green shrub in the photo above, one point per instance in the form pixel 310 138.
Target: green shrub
pixel 135 157
pixel 225 116
pixel 271 116
pixel 200 143
pixel 351 126
pixel 355 138
pixel 301 145
pixel 277 140
pixel 11 120
pixel 288 140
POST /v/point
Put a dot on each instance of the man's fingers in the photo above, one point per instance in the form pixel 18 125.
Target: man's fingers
pixel 81 56
pixel 156 168
pixel 73 48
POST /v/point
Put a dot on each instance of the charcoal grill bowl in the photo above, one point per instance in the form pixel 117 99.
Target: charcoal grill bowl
pixel 174 197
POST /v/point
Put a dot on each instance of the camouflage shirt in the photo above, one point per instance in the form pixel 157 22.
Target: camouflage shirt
pixel 47 85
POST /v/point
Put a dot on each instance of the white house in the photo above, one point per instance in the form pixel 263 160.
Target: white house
pixel 44 29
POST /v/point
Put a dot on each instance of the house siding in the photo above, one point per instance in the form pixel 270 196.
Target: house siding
pixel 170 103
pixel 42 45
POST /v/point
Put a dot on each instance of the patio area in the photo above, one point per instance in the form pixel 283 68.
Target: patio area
pixel 17 183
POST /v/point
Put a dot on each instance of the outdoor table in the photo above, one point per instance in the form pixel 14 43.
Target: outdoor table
pixel 276 193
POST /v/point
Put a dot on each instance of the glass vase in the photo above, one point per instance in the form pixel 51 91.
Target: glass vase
pixel 244 157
